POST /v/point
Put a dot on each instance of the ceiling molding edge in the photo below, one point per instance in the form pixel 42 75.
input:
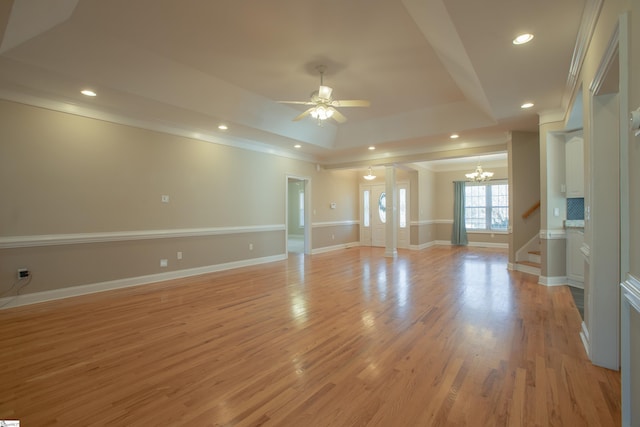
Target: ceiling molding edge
pixel 421 157
pixel 583 39
pixel 81 111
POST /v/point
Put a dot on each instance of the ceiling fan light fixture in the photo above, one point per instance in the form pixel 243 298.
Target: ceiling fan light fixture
pixel 321 112
pixel 369 176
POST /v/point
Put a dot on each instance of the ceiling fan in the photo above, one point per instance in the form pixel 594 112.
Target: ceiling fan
pixel 323 106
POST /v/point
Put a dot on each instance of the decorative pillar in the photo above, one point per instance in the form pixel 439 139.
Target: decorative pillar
pixel 391 228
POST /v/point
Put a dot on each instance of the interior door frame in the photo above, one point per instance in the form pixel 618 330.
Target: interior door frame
pixel 373 206
pixel 307 212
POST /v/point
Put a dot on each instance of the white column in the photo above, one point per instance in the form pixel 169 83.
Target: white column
pixel 391 226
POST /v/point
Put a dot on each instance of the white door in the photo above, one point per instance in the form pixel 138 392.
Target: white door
pixel 373 206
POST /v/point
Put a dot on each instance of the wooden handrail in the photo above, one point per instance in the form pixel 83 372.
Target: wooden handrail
pixel 531 210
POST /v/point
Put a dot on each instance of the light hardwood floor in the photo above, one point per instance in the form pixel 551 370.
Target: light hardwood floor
pixel 442 336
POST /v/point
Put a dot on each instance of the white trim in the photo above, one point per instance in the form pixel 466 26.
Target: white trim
pixel 586 252
pixel 606 61
pixel 473 231
pixel 575 283
pixel 424 222
pixel 488 245
pixel 553 234
pixel 552 280
pixel 629 299
pixel 551 116
pixel 72 291
pixel 116 236
pixel 474 244
pixel 422 246
pixel 443 221
pixel 335 248
pixel 527 269
pixel 587 27
pixel 631 291
pixel 335 223
pixel 584 336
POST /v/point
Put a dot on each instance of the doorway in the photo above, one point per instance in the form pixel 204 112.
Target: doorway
pixel 373 209
pixel 297 215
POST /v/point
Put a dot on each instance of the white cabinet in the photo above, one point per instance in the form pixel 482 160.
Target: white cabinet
pixel 575 260
pixel 574 167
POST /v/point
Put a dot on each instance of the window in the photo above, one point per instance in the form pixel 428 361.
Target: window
pixel 365 208
pixel 487 206
pixel 382 208
pixel 403 207
pixel 301 208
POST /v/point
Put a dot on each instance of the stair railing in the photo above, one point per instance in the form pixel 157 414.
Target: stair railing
pixel 531 210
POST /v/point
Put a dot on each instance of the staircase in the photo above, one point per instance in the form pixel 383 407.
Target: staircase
pixel 528 257
pixel 531 264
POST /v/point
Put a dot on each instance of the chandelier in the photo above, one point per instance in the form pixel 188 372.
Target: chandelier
pixel 479 175
pixel 369 176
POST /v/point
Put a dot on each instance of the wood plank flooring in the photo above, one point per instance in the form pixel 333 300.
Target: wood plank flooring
pixel 444 336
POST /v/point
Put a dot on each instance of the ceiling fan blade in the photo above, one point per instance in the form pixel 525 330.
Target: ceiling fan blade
pixel 351 103
pixel 324 92
pixel 297 102
pixel 303 115
pixel 337 115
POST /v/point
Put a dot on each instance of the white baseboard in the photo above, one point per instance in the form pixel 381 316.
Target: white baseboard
pixel 527 269
pixel 72 291
pixel 575 283
pixel 475 244
pixel 553 280
pixel 335 248
pixel 489 245
pixel 422 246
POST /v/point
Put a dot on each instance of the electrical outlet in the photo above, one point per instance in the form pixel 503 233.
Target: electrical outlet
pixel 179 255
pixel 250 246
pixel 164 263
pixel 23 273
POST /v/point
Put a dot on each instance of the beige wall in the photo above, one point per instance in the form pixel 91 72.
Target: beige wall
pixel 65 178
pixel 422 210
pixel 524 177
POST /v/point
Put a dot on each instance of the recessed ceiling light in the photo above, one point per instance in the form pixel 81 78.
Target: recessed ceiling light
pixel 526 105
pixel 88 92
pixel 454 136
pixel 223 127
pixel 523 38
pixel 372 148
pixel 297 146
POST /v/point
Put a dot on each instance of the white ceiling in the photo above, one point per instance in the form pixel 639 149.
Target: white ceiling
pixel 429 68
